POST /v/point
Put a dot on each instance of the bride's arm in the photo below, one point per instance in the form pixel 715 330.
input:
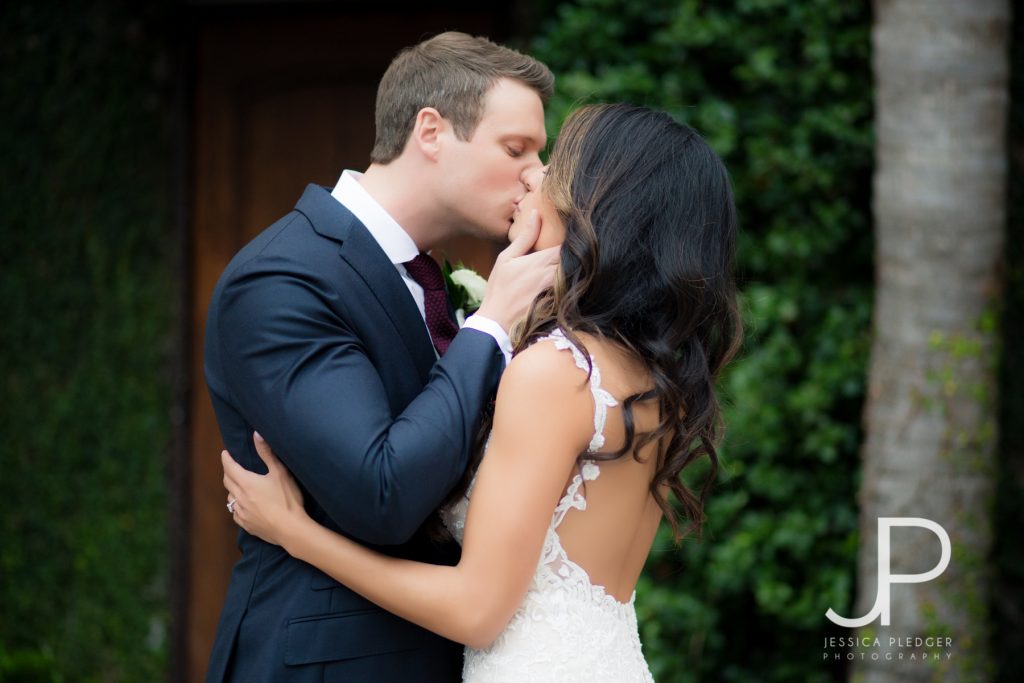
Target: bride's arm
pixel 543 419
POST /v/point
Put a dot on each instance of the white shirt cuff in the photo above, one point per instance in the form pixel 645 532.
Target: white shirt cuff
pixel 488 326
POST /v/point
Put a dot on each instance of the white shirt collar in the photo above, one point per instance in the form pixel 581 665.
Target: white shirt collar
pixel 395 241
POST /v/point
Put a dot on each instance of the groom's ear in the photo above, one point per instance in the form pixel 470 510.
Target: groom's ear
pixel 427 131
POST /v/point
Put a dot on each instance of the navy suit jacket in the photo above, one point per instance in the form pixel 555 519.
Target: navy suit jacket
pixel 314 340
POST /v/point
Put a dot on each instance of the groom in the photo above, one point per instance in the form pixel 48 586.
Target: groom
pixel 330 334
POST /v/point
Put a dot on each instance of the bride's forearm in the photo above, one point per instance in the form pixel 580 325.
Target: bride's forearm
pixel 442 599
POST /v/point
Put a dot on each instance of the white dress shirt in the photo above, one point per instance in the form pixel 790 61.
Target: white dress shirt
pixel 400 248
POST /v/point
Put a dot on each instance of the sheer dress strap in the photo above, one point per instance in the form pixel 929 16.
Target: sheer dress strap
pixel 603 400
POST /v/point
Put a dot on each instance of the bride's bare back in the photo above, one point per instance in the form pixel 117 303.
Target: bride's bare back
pixel 611 539
pixel 576 537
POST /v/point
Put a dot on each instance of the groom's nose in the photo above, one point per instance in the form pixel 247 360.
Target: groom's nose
pixel 529 170
pixel 523 189
pixel 533 177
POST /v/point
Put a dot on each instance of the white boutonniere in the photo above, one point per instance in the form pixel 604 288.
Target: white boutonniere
pixel 465 289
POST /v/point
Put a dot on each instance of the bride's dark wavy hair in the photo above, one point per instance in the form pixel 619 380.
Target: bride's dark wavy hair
pixel 647 262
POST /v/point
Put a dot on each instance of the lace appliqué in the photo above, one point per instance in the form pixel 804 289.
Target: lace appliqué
pixel 567 630
pixel 602 399
pixel 555 566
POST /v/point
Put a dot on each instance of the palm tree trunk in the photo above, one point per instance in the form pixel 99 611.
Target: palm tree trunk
pixel 941 74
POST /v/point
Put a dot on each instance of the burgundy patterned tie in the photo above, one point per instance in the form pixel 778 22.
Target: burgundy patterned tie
pixel 427 273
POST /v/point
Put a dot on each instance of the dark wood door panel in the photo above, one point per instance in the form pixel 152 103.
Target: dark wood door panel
pixel 281 99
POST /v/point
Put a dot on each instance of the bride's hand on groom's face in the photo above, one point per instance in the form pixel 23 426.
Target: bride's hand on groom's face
pixel 519 276
pixel 265 505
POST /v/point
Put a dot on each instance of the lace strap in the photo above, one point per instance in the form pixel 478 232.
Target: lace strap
pixel 602 401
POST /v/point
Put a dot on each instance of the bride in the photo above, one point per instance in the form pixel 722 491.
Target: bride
pixel 609 396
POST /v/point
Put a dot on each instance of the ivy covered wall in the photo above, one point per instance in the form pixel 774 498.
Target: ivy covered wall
pixel 782 90
pixel 85 280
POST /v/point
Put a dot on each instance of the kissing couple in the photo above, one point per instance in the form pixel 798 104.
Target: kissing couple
pixel 421 502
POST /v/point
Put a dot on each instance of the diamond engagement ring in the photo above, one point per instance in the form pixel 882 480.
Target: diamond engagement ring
pixel 231 506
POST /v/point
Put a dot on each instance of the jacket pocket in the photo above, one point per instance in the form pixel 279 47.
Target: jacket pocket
pixel 335 637
pixel 321 582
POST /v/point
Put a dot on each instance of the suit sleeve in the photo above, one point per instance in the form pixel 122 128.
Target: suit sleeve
pixel 299 374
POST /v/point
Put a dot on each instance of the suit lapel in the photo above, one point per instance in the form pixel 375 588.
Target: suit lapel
pixel 366 257
pixel 362 253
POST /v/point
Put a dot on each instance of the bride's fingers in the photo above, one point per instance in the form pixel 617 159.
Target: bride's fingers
pixel 525 240
pixel 235 476
pixel 234 499
pixel 232 470
pixel 265 452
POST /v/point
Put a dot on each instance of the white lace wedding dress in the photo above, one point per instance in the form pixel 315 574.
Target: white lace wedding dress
pixel 567 630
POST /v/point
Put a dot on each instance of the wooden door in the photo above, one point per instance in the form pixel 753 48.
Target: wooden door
pixel 281 99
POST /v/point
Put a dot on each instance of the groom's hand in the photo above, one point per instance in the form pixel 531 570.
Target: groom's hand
pixel 519 276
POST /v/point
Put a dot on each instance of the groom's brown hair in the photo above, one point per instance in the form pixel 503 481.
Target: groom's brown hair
pixel 451 72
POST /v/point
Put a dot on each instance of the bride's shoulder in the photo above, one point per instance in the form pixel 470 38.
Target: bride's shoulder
pixel 550 368
pixel 560 352
pixel 620 369
pixel 544 387
pixel 547 357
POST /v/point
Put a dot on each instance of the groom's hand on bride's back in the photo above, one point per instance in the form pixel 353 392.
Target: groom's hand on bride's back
pixel 519 275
